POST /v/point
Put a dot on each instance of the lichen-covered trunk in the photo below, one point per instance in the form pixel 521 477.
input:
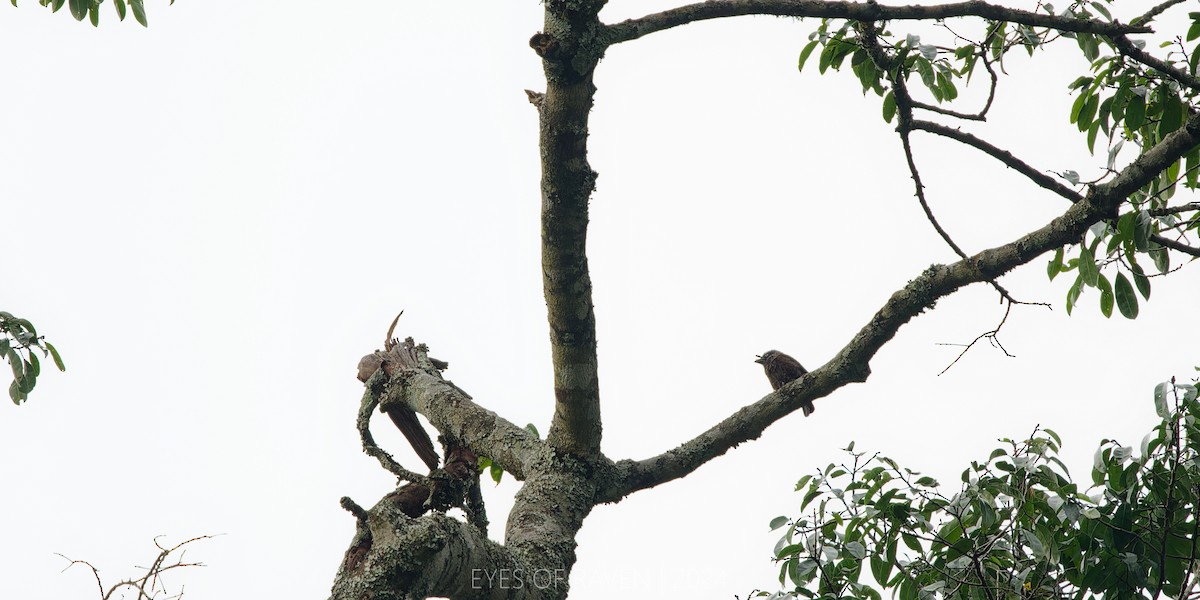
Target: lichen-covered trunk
pixel 396 556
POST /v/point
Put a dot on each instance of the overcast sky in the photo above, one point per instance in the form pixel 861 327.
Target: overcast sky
pixel 214 218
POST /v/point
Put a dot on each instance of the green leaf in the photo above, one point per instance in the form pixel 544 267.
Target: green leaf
pixel 1143 228
pixel 1106 296
pixel 808 48
pixel 1104 114
pixel 28 326
pixel 139 13
pixel 79 9
pixel 881 569
pixel 1191 166
pixel 1161 260
pixel 1135 112
pixel 1087 266
pixel 889 107
pixel 14 360
pixel 926 72
pixel 825 58
pixel 1125 226
pixel 1056 264
pixel 1073 293
pixel 867 75
pixel 778 522
pixel 859 57
pixel 1160 400
pixel 1126 300
pixel 5 346
pixel 27 382
pixel 1172 113
pixel 14 392
pixel 495 471
pixel 1139 279
pixel 94 14
pixel 531 428
pixel 1083 111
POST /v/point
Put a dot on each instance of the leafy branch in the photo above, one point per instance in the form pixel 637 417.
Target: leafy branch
pixel 90 9
pixel 18 340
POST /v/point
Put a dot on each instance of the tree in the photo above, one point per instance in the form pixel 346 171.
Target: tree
pixel 1019 527
pixel 1135 98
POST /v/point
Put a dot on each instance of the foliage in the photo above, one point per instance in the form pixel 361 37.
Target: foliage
pixel 1127 101
pixel 18 338
pixel 1018 527
pixel 90 9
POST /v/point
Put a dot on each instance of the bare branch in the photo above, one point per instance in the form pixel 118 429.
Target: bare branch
pixel 1174 210
pixel 904 106
pixel 149 585
pixel 990 335
pixel 1004 156
pixel 858 11
pixel 933 108
pixel 852 363
pixel 1127 48
pixel 1174 245
pixel 1149 15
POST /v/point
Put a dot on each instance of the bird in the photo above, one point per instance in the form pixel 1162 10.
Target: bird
pixel 780 369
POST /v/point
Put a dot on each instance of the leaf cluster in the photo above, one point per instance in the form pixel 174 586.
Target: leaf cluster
pixel 90 9
pixel 1018 527
pixel 1122 244
pixel 18 339
pixel 1129 102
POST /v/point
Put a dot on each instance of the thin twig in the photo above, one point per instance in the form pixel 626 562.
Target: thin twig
pixel 1174 210
pixel 1003 156
pixel 990 334
pixel 904 110
pixel 1174 245
pixel 1149 15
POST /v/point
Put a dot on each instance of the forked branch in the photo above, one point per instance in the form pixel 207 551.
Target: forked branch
pixel 857 11
pixel 852 363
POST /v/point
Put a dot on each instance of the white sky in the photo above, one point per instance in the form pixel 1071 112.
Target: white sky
pixel 215 217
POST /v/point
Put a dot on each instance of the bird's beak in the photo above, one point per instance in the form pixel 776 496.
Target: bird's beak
pixel 758 359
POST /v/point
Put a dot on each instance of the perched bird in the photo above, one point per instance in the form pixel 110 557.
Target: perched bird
pixel 780 369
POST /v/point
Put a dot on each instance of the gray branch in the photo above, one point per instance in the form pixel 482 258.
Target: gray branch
pixel 858 11
pixel 852 363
